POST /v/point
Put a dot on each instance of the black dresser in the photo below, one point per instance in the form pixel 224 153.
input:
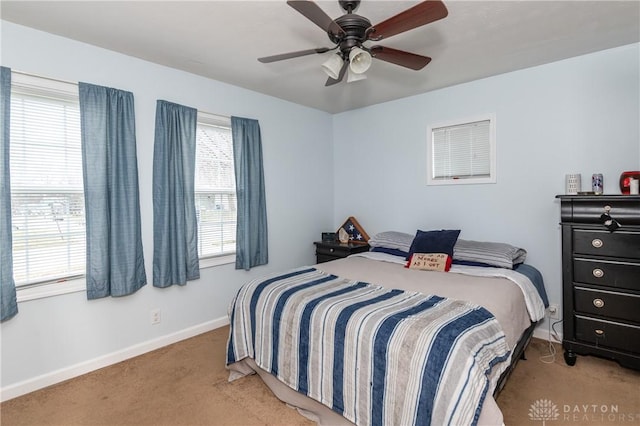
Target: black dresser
pixel 601 277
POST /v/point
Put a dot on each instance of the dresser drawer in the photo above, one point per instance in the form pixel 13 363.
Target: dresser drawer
pixel 326 252
pixel 607 273
pixel 610 304
pixel 624 209
pixel 610 334
pixel 605 243
pixel 336 251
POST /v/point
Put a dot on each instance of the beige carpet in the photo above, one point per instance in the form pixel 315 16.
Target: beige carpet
pixel 594 392
pixel 186 384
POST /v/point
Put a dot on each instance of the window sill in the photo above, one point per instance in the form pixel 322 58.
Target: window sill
pixel 210 262
pixel 52 289
pixel 80 284
pixel 466 181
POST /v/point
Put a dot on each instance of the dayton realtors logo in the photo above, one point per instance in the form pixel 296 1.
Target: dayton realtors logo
pixel 601 413
pixel 546 410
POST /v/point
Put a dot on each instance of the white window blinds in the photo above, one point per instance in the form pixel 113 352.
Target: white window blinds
pixel 462 152
pixel 215 187
pixel 47 200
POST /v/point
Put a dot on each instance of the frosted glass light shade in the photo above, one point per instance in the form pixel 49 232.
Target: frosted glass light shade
pixel 352 76
pixel 332 66
pixel 359 60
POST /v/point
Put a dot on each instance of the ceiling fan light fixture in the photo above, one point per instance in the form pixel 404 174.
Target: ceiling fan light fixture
pixel 352 76
pixel 350 32
pixel 359 60
pixel 333 65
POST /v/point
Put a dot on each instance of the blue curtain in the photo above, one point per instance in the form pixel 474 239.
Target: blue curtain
pixel 175 233
pixel 8 303
pixel 251 231
pixel 115 262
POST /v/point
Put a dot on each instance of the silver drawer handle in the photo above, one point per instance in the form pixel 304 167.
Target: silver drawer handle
pixel 599 332
pixel 598 273
pixel 331 250
pixel 598 303
pixel 597 243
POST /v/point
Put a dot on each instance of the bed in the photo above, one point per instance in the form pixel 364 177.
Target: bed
pixel 365 340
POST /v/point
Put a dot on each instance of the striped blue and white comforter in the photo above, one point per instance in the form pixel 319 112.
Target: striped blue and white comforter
pixel 374 355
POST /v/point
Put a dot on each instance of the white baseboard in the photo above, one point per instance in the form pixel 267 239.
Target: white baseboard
pixel 543 334
pixel 57 376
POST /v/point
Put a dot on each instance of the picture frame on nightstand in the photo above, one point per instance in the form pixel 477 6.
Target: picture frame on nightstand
pixel 329 237
pixel 355 231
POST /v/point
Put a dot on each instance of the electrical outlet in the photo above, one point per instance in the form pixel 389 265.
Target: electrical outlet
pixel 554 312
pixel 155 316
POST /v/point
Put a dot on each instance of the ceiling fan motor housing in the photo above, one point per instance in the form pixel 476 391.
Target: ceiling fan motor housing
pixel 355 28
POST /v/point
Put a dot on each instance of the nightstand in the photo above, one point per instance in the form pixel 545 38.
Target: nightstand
pixel 326 252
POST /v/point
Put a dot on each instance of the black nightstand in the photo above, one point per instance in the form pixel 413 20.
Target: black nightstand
pixel 326 252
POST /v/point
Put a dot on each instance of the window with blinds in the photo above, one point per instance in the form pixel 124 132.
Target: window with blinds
pixel 47 200
pixel 215 187
pixel 462 152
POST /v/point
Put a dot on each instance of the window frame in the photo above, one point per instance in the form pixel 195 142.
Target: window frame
pixel 209 119
pixel 492 178
pixel 65 91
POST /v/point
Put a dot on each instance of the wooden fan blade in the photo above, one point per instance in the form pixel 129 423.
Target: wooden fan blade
pixel 343 71
pixel 399 57
pixel 416 16
pixel 316 15
pixel 290 55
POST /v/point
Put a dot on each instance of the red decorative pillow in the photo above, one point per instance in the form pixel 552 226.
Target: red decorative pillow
pixel 429 262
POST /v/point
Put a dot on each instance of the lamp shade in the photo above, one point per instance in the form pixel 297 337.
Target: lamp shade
pixel 352 76
pixel 359 60
pixel 333 65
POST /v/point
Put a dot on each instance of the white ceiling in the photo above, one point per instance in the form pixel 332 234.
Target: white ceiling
pixel 223 39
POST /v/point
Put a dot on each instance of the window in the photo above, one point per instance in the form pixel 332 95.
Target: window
pixel 47 199
pixel 462 152
pixel 215 187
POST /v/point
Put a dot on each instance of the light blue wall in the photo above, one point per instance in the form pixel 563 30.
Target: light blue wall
pixel 577 115
pixel 59 332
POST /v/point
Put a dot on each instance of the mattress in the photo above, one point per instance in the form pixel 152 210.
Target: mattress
pixel 506 299
pixel 499 295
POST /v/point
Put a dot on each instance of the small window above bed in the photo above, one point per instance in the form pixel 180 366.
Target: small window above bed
pixel 462 151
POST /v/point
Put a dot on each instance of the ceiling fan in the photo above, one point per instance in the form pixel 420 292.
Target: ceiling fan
pixel 349 32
